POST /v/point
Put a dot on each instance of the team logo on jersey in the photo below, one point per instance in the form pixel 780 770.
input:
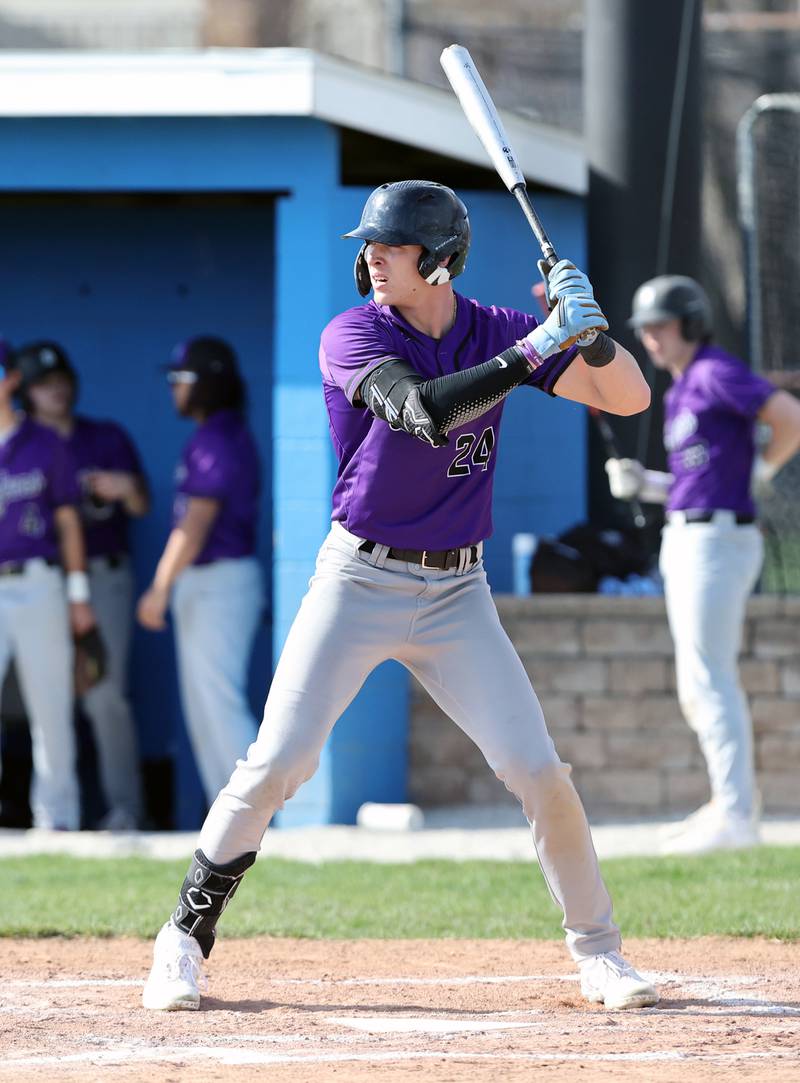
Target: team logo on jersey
pixel 695 455
pixel 14 487
pixel 677 431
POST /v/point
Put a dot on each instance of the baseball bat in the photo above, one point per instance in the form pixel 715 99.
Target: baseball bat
pixel 480 111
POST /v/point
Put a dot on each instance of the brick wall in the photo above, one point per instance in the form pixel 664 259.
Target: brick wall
pixel 603 669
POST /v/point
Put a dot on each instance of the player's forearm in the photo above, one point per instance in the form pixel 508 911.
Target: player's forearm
pixel 782 413
pixel 428 409
pixel 181 550
pixel 70 539
pixel 186 541
pixel 619 386
pixel 137 501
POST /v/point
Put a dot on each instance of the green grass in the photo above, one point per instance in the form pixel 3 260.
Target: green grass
pixel 750 893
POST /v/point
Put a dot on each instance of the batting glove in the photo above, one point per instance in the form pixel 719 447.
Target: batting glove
pixel 573 315
pixel 761 477
pixel 562 280
pixel 629 480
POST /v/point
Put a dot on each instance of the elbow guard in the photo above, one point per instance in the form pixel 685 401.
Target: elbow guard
pixel 392 393
pixel 428 409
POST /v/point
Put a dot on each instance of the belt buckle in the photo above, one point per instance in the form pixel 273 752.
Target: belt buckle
pixel 430 567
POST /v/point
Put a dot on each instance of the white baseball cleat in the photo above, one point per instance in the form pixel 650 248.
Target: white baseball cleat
pixel 721 832
pixel 608 979
pixel 176 978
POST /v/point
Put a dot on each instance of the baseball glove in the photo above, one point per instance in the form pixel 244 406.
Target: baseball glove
pixel 90 661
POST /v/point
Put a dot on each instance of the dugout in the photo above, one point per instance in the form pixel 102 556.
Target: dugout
pixel 144 198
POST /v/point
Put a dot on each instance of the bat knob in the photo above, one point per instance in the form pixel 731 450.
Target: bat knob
pixel 586 338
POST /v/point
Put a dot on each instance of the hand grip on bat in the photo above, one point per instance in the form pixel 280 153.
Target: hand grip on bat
pixel 576 282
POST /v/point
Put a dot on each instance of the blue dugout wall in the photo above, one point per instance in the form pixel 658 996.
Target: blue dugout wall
pixel 153 229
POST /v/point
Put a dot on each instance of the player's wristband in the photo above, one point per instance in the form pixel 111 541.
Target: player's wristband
pixel 77 587
pixel 599 353
pixel 530 353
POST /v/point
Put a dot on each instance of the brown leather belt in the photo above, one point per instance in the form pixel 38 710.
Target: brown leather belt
pixel 435 559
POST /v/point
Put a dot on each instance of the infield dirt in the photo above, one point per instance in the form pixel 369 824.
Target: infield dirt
pixel 444 1010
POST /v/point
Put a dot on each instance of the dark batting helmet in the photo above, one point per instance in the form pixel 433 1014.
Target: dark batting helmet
pixel 415 212
pixel 36 361
pixel 673 297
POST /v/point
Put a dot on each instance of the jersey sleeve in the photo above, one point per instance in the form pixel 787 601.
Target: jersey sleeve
pixel 735 388
pixel 63 476
pixel 352 345
pixel 553 368
pixel 208 471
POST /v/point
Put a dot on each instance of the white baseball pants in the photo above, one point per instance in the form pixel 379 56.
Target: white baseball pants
pixel 217 608
pixel 709 571
pixel 443 626
pixel 106 705
pixel 34 631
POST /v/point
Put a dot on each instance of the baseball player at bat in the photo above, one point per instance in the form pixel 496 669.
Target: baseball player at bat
pixel 415 381
pixel 40 533
pixel 113 490
pixel 711 549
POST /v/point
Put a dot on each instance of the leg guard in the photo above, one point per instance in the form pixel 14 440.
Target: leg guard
pixel 205 894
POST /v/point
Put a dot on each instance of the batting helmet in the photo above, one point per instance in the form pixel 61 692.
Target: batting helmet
pixel 415 212
pixel 673 297
pixel 38 360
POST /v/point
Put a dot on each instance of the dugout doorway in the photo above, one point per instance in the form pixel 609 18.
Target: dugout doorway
pixel 118 279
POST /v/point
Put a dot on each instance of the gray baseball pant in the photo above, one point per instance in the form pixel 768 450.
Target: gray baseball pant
pixel 443 626
pixel 107 703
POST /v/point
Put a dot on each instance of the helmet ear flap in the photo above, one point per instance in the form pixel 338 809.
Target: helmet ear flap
pixel 429 262
pixel 361 272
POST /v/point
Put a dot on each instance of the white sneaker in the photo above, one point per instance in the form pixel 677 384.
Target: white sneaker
pixel 692 821
pixel 721 832
pixel 176 978
pixel 608 979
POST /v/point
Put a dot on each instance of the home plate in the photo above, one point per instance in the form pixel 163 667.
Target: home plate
pixel 382 1024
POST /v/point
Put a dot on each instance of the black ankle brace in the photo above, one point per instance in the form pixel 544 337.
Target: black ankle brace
pixel 206 892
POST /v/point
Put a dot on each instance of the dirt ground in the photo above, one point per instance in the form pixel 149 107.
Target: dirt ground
pixel 399 1011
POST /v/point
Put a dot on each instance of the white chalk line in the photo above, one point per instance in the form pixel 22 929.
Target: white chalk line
pixel 233 1056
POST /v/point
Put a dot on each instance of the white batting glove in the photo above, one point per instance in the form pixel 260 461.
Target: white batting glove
pixel 628 479
pixel 625 478
pixel 761 477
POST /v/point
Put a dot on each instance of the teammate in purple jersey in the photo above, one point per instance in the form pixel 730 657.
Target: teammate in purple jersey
pixel 40 532
pixel 209 565
pixel 711 550
pixel 415 381
pixel 113 490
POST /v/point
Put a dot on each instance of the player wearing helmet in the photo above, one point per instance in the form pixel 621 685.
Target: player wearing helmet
pixel 414 383
pixel 711 550
pixel 113 490
pixel 208 570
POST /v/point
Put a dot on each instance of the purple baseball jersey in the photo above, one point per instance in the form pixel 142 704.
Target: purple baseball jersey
pixel 37 475
pixel 709 422
pixel 221 462
pixel 391 487
pixel 102 445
